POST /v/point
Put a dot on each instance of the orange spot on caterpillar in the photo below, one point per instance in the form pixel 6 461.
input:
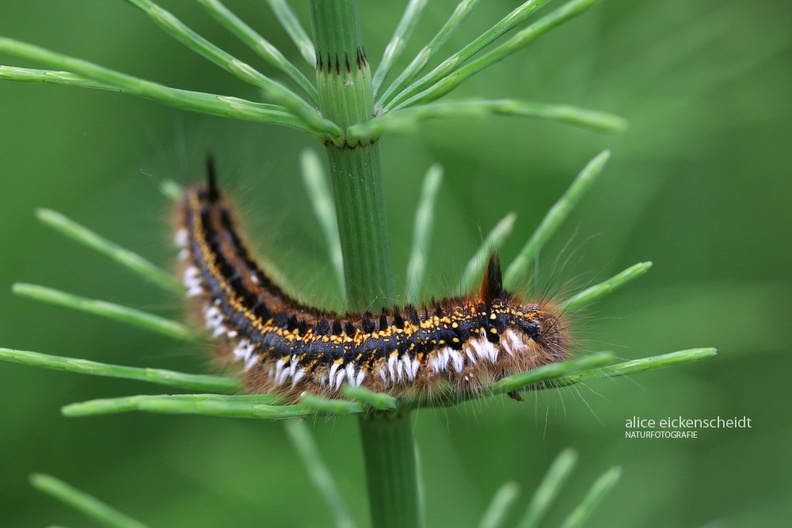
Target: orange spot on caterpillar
pixel 456 345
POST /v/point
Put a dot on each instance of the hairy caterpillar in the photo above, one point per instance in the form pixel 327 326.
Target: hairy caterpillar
pixel 454 345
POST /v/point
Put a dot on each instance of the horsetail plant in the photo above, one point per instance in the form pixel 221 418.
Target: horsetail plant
pixel 346 108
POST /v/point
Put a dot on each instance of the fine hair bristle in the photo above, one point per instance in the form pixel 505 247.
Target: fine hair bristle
pixel 449 346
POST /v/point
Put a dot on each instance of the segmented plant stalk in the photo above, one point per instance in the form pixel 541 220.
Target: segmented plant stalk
pixel 345 95
pixel 346 98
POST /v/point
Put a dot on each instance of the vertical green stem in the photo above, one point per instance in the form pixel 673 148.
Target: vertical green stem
pixel 362 227
pixel 345 95
pixel 389 456
pixel 343 80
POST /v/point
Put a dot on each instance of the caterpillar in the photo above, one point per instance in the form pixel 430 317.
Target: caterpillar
pixel 451 346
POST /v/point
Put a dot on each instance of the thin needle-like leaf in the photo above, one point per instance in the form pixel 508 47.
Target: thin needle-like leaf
pixel 461 73
pixel 158 376
pixel 245 406
pixel 317 470
pixel 498 510
pixel 124 257
pixel 425 55
pixel 330 406
pixel 124 314
pixel 518 270
pixel 422 233
pixel 635 366
pixel 548 372
pixel 548 490
pixel 292 26
pixel 277 92
pixel 320 194
pixel 259 44
pixel 602 289
pixel 81 501
pixel 494 241
pixel 555 374
pixel 598 490
pixel 14 73
pixel 517 381
pixel 407 119
pixel 420 485
pixel 394 49
pixel 506 24
pixel 88 75
pixel 375 400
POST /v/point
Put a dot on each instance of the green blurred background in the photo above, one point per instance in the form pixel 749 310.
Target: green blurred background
pixel 700 184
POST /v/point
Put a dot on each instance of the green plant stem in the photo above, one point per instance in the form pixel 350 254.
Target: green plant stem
pixel 346 97
pixel 90 506
pixel 345 93
pixel 362 228
pixel 389 456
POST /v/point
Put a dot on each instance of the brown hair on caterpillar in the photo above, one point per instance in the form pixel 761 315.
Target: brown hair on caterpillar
pixel 455 345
